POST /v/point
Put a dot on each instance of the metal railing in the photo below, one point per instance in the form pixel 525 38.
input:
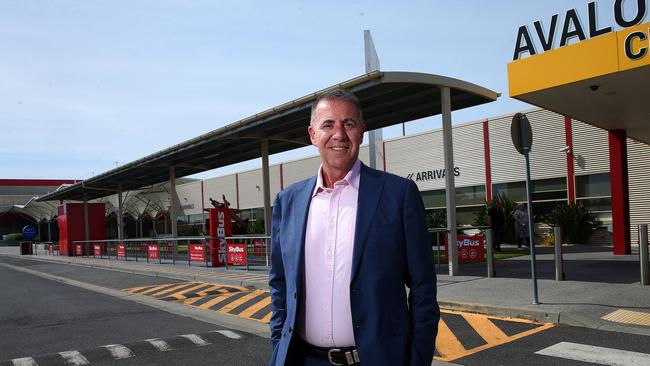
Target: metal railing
pixel 485 230
pixel 233 251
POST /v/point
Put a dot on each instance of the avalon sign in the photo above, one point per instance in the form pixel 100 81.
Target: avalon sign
pixel 572 27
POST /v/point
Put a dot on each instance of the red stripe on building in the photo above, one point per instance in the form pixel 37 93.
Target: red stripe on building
pixel 237 188
pixel 488 165
pixel 36 182
pixel 618 184
pixel 570 169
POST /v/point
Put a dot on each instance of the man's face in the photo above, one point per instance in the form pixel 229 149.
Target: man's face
pixel 337 132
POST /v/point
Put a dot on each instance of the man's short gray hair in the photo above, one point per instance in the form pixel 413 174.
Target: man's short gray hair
pixel 337 94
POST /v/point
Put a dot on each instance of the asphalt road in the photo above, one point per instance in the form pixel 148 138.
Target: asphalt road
pixel 40 317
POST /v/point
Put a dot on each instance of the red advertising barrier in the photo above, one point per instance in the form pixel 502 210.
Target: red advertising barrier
pixel 78 249
pixel 220 228
pixel 470 248
pixel 152 251
pixel 236 254
pixel 121 251
pixel 197 252
pixel 50 249
pixel 97 250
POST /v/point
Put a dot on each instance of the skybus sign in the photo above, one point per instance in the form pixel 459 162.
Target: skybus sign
pixel 635 44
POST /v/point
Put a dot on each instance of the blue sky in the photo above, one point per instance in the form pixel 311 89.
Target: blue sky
pixel 86 85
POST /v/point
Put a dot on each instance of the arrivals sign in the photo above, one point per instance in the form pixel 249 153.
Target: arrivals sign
pixel 197 252
pixel 564 29
pixel 237 254
pixel 470 248
pixel 426 175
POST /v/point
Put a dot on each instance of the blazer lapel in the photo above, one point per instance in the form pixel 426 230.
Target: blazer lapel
pixel 300 209
pixel 370 186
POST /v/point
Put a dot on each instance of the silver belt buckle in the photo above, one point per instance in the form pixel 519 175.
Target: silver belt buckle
pixel 329 357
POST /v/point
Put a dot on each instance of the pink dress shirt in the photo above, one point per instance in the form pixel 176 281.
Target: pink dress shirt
pixel 325 318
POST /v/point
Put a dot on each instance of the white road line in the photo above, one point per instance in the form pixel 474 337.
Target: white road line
pixel 228 333
pixel 74 358
pixel 594 354
pixel 196 339
pixel 118 351
pixel 159 344
pixel 24 361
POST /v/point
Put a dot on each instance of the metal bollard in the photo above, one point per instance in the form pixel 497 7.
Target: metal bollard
pixel 490 255
pixel 643 254
pixel 559 262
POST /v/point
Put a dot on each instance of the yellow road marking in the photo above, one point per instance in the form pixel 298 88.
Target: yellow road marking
pixel 153 289
pixel 255 308
pixel 485 328
pixel 135 289
pixel 446 342
pixel 267 317
pixel 191 301
pixel 216 300
pixel 240 301
pixel 180 295
pixel 168 290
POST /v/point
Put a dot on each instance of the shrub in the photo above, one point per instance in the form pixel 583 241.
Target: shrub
pixel 576 221
pixel 437 218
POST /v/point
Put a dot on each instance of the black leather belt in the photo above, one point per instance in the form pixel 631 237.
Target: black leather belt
pixel 335 356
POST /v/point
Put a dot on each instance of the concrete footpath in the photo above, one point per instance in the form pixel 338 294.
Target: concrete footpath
pixel 598 284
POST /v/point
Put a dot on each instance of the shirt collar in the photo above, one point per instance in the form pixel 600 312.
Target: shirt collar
pixel 352 178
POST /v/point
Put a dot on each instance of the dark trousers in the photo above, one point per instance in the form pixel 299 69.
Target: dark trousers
pixel 497 240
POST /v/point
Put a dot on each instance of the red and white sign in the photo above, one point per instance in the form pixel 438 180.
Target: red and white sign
pixel 152 251
pixel 237 254
pixel 259 246
pixel 470 248
pixel 50 249
pixel 78 249
pixel 220 228
pixel 121 250
pixel 197 252
pixel 97 250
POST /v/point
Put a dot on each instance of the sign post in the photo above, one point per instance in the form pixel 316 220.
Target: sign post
pixel 522 138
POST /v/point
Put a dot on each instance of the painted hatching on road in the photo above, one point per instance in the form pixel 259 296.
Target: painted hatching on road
pixel 459 333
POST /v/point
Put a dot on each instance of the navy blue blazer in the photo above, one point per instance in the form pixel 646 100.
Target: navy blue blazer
pixel 391 250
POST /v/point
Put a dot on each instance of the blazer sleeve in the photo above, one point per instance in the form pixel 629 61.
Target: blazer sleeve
pixel 277 283
pixel 421 280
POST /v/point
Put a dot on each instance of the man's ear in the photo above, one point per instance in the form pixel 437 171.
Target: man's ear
pixel 312 133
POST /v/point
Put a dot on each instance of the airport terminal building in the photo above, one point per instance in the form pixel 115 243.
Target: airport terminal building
pixel 569 162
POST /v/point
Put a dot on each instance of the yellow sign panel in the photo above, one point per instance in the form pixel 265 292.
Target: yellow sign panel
pixel 633 47
pixel 598 56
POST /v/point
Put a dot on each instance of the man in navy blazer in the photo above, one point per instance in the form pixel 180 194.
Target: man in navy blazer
pixel 389 251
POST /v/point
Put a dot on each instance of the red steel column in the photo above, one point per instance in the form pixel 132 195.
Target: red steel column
pixel 570 169
pixel 619 189
pixel 488 166
pixel 237 188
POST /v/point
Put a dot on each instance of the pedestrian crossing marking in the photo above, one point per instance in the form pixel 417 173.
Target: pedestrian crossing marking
pixel 453 331
pixel 629 317
pixel 595 354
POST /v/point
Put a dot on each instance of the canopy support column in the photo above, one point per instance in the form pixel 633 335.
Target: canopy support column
pixel 267 187
pixel 86 223
pixel 174 206
pixel 120 213
pixel 450 192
